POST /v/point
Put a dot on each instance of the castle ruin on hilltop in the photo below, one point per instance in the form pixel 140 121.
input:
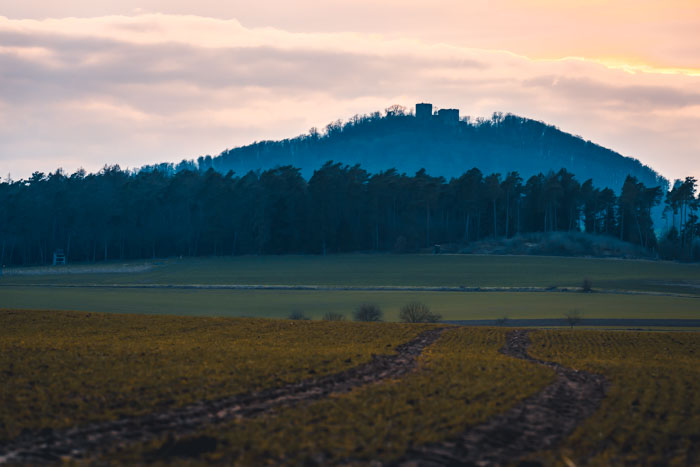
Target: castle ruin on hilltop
pixel 424 111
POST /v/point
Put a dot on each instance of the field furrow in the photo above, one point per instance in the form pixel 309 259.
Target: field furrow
pixel 61 369
pixel 539 422
pixel 82 441
pixel 651 415
pixel 462 381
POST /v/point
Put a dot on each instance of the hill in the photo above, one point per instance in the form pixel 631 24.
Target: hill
pixel 444 145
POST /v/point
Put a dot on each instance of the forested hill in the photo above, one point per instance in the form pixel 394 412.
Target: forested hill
pixel 402 141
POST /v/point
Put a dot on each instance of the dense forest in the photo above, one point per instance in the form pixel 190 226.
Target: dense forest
pixel 117 214
pixel 396 138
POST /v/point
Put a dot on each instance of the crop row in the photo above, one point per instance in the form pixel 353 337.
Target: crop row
pixel 651 414
pixel 462 380
pixel 59 369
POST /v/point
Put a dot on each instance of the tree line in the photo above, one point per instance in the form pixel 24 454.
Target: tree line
pixel 116 214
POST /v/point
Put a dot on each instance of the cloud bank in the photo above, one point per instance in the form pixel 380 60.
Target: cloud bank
pixel 157 87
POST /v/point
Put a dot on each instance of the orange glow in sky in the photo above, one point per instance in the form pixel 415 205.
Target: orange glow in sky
pixel 86 83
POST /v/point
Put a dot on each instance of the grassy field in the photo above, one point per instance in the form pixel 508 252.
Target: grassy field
pixel 62 368
pixel 651 415
pixel 378 270
pixel 22 288
pixel 278 304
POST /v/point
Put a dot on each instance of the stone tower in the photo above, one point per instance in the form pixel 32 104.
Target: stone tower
pixel 424 111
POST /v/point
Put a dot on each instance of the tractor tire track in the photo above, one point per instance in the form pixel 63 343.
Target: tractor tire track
pixel 83 442
pixel 537 423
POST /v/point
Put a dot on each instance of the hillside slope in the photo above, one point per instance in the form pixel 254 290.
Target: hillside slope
pixel 502 144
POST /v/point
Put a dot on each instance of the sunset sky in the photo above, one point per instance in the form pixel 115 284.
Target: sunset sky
pixel 85 83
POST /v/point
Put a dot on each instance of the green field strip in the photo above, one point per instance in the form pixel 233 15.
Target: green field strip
pixel 379 270
pixel 280 303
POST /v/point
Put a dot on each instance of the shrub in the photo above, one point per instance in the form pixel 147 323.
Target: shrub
pixel 332 316
pixel 563 243
pixel 587 285
pixel 417 312
pixel 298 315
pixel 368 312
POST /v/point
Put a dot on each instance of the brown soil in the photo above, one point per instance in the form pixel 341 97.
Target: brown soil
pixel 90 439
pixel 537 423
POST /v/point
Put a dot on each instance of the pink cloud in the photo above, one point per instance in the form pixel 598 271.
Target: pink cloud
pixel 155 87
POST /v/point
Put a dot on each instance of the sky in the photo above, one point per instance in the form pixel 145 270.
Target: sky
pixel 84 83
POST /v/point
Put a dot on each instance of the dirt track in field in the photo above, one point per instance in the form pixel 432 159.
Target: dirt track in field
pixel 537 423
pixel 90 439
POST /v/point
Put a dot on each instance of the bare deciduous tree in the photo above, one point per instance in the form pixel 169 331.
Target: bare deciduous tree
pixel 368 312
pixel 417 312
